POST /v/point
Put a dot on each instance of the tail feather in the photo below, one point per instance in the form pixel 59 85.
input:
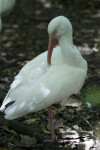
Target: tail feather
pixel 8 104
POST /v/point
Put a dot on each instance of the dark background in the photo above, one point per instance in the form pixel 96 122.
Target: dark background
pixel 24 36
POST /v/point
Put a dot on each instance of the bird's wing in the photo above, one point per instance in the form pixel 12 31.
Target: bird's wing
pixel 27 77
pixel 55 85
pixel 28 74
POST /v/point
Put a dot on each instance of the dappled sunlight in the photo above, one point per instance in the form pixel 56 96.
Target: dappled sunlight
pixel 86 50
pixel 96 128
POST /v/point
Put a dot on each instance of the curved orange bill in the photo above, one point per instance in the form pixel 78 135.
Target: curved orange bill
pixel 51 45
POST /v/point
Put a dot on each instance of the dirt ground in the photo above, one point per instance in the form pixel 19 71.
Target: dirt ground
pixel 23 37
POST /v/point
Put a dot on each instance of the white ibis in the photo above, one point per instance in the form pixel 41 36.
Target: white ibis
pixel 49 78
pixel 5 6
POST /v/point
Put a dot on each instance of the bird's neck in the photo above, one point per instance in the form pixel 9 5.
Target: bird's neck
pixel 71 55
pixel 66 39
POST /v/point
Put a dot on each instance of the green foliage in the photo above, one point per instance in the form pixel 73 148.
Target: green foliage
pixel 92 95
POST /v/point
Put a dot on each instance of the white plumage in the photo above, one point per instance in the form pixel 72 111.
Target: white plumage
pixel 5 5
pixel 39 84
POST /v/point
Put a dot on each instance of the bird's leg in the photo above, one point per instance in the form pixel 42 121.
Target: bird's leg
pixel 50 115
pixel 53 136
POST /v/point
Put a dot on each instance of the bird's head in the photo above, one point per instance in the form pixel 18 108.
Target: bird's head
pixel 57 28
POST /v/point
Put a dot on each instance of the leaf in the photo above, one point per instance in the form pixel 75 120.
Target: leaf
pixel 44 130
pixel 61 109
pixel 30 121
pixel 54 112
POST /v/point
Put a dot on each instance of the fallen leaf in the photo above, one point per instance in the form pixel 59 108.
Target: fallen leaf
pixel 44 130
pixel 54 112
pixel 61 109
pixel 30 121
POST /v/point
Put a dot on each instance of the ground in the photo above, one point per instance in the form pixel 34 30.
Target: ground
pixel 23 37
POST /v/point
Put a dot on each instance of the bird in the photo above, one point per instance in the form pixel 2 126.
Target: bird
pixel 51 77
pixel 5 6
